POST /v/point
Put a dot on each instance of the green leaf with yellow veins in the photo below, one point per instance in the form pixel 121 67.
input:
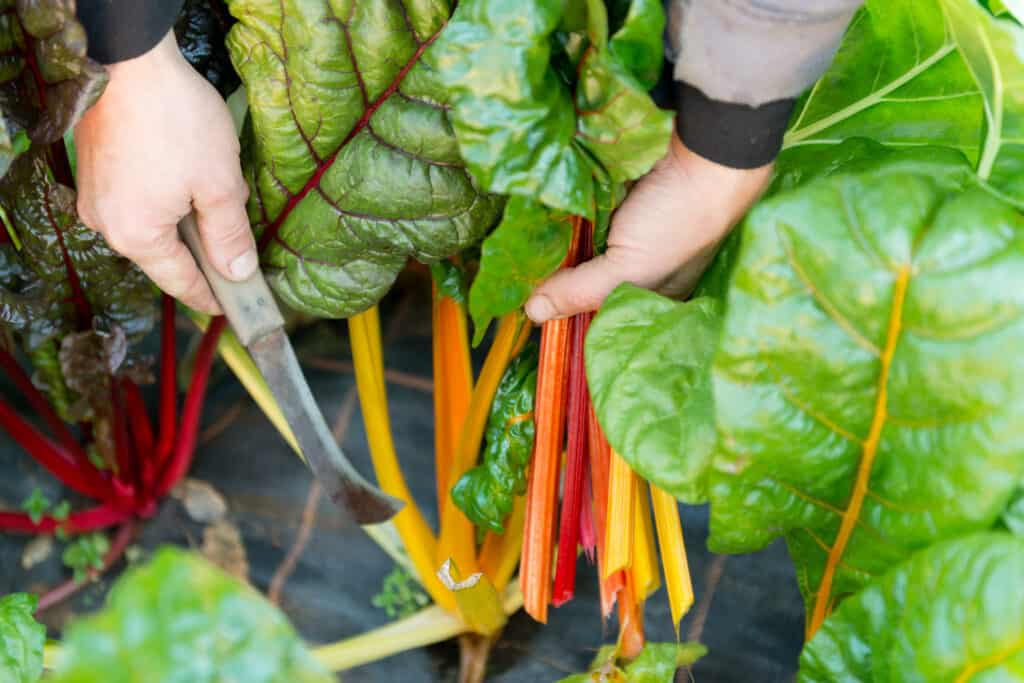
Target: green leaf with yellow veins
pixel 950 613
pixel 353 164
pixel 864 407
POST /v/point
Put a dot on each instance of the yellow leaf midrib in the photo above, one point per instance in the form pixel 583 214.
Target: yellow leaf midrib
pixel 869 451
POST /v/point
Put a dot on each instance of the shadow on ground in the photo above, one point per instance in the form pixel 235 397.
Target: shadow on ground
pixel 748 609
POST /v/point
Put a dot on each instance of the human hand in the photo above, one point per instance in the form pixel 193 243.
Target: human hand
pixel 663 236
pixel 159 143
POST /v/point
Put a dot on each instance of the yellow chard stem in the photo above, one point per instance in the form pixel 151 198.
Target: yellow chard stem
pixel 621 516
pixel 645 555
pixel 673 554
pixel 419 540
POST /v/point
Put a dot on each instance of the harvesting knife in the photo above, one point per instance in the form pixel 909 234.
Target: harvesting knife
pixel 257 321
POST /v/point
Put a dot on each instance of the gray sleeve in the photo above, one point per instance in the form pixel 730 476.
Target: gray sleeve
pixel 751 52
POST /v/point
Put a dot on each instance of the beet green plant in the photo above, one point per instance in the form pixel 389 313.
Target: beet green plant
pixel 72 309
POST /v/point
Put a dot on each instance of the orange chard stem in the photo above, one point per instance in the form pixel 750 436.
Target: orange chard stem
pixel 542 487
pixel 600 462
pixel 453 385
pixel 631 620
pixel 458 534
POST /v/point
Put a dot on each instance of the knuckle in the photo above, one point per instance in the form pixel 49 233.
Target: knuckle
pixel 231 233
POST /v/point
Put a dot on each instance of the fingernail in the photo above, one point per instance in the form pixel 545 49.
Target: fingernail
pixel 245 265
pixel 540 309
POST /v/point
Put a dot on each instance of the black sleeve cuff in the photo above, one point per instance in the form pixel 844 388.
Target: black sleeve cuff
pixel 123 29
pixel 734 135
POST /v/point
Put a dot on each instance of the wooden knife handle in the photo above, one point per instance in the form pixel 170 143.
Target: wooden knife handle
pixel 248 305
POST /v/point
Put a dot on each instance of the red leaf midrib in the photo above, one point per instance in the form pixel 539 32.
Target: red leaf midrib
pixel 271 231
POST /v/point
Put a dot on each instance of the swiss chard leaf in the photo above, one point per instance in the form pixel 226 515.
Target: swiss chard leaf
pixel 46 80
pixel 527 246
pixel 179 618
pixel 949 613
pixel 657 413
pixel 547 114
pixel 994 52
pixel 861 398
pixel 353 164
pixel 200 30
pixel 897 79
pixel 64 278
pixel 21 640
pixel 487 492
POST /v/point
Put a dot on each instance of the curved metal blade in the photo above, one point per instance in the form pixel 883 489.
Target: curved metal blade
pixel 363 502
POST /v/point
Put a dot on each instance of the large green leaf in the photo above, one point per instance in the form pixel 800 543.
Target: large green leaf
pixel 353 164
pixel 487 492
pixel 545 114
pixel 951 613
pixel 528 245
pixel 864 403
pixel 21 640
pixel 896 79
pixel 649 371
pixel 994 51
pixel 179 618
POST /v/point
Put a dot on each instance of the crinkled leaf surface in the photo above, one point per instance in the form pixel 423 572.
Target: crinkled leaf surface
pixel 487 492
pixel 542 114
pixel 649 372
pixel 864 405
pixel 64 278
pixel 181 619
pixel 527 246
pixel 21 640
pixel 950 613
pixel 353 164
pixel 200 30
pixel 897 79
pixel 46 80
pixel 994 52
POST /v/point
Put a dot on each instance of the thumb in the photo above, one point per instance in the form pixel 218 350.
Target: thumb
pixel 226 234
pixel 575 290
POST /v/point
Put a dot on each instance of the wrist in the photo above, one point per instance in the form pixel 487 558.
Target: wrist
pixel 738 187
pixel 163 55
